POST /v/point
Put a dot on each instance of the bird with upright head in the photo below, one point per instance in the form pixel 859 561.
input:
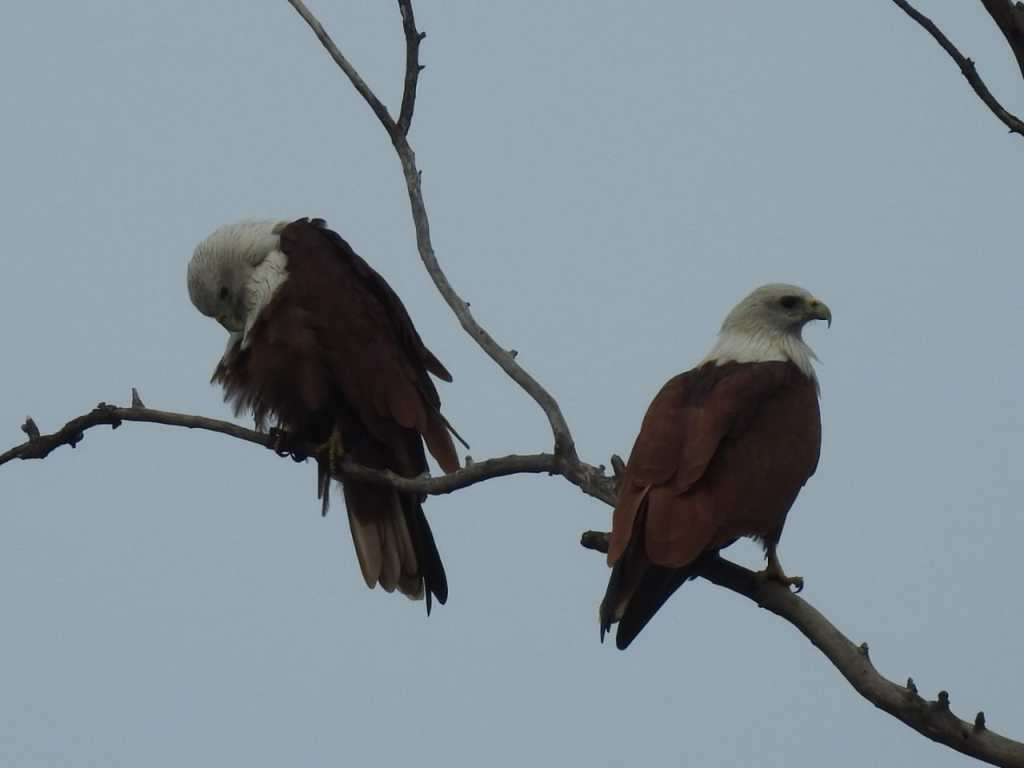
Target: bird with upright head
pixel 321 345
pixel 722 453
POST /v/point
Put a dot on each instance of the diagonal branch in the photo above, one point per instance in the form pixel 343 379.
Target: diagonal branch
pixel 1009 17
pixel 339 58
pixel 929 718
pixel 564 445
pixel 967 67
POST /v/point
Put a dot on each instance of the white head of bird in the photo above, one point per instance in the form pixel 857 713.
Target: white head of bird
pixel 235 271
pixel 767 325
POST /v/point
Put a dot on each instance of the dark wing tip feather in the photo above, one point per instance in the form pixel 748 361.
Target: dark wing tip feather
pixel 323 486
pixel 455 434
pixel 435 581
pixel 657 586
pixel 435 366
pixel 605 612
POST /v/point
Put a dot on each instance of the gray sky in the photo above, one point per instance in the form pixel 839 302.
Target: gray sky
pixel 605 180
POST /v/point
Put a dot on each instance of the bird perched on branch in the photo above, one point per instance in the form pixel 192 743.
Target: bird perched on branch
pixel 723 451
pixel 321 345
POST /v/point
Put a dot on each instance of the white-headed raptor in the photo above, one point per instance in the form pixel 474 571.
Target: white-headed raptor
pixel 321 346
pixel 723 451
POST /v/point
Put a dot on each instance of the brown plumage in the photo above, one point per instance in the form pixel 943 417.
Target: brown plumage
pixel 722 453
pixel 325 349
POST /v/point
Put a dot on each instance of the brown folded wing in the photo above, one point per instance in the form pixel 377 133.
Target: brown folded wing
pixel 722 453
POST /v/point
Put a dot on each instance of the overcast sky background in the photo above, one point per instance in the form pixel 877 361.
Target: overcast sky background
pixel 605 180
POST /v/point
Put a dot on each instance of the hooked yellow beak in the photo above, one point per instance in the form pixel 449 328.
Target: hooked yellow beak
pixel 820 311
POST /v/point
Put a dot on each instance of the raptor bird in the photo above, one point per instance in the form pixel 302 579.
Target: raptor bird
pixel 723 451
pixel 322 347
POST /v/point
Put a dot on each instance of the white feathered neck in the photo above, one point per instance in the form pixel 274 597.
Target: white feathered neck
pixel 761 346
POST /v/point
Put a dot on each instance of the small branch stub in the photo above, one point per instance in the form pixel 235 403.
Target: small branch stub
pixel 979 722
pixel 115 419
pixel 30 428
pixel 595 540
pixel 911 687
pixel 618 468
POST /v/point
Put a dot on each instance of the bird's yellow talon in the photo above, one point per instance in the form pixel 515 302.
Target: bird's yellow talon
pixel 332 451
pixel 773 572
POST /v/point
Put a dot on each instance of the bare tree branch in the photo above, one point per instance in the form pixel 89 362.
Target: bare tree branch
pixel 564 446
pixel 1009 17
pixel 929 718
pixel 360 85
pixel 40 446
pixel 966 67
pixel 591 480
pixel 413 38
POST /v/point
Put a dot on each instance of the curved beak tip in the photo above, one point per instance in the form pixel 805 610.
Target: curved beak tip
pixel 822 312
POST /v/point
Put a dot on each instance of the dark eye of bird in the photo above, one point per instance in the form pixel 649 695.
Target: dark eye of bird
pixel 223 292
pixel 788 302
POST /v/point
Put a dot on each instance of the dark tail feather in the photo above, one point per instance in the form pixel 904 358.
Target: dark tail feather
pixel 427 557
pixel 606 613
pixel 655 587
pixel 323 486
pixel 626 573
pixel 391 535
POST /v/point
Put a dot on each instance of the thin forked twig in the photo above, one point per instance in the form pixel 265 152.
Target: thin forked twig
pixel 564 445
pixel 967 67
pixel 339 58
pixel 413 38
